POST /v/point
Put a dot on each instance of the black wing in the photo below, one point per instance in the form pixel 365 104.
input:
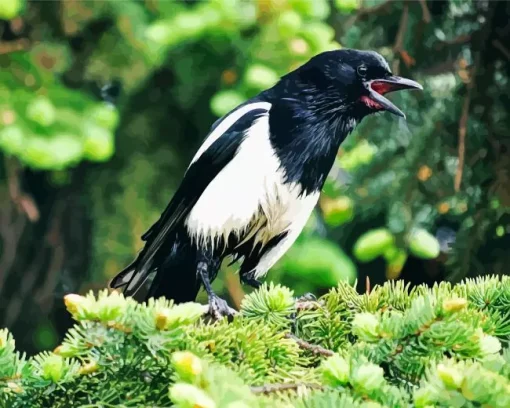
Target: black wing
pixel 196 179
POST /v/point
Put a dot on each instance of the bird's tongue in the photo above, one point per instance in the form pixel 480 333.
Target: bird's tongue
pixel 371 103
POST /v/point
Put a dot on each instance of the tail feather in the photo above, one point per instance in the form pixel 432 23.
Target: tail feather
pixel 132 278
pixel 123 277
pixel 174 278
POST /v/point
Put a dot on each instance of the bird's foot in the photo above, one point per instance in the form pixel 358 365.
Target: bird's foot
pixel 307 297
pixel 251 281
pixel 302 302
pixel 219 308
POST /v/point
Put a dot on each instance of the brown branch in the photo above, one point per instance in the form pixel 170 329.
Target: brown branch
pixel 505 51
pixel 425 11
pixel 398 47
pixel 315 349
pixel 379 9
pixel 14 46
pixel 461 39
pixel 25 202
pixel 270 388
pixel 364 13
pixel 463 130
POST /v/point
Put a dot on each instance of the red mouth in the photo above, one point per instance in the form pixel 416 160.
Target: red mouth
pixel 381 88
pixel 377 88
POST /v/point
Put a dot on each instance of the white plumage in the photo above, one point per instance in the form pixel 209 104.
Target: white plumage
pixel 249 192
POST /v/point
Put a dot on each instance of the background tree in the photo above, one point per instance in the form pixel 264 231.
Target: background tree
pixel 102 105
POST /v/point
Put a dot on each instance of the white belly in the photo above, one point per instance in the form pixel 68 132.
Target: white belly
pixel 250 191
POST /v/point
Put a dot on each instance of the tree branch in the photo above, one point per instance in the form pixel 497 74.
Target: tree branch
pixel 505 51
pixel 7 47
pixel 463 130
pixel 380 8
pixel 270 388
pixel 315 349
pixel 425 11
pixel 459 40
pixel 398 47
pixel 25 203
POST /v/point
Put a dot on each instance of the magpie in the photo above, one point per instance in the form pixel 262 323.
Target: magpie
pixel 252 185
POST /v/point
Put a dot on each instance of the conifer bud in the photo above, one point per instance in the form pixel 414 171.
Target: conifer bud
pixel 368 377
pixel 454 305
pixel 451 377
pixel 53 368
pixel 366 326
pixel 489 345
pixel 424 397
pixel 185 313
pixel 73 302
pixel 188 396
pixel 110 307
pixel 336 370
pixel 64 350
pixel 161 318
pixel 187 365
pixel 89 368
pixel 14 387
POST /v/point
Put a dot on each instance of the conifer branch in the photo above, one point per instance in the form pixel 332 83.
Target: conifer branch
pixel 271 388
pixel 315 349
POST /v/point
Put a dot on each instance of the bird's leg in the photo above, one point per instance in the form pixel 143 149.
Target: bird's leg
pixel 249 279
pixel 307 297
pixel 302 300
pixel 218 307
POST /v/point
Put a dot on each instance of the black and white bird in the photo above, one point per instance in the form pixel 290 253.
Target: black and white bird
pixel 254 182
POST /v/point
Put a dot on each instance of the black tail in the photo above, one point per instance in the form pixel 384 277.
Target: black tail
pixel 174 274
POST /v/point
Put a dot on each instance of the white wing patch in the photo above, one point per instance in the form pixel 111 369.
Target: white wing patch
pixel 249 192
pixel 225 125
pixel 233 198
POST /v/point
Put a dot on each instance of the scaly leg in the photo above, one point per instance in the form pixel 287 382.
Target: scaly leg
pixel 218 307
pixel 307 297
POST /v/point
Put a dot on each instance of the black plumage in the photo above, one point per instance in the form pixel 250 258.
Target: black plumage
pixel 254 182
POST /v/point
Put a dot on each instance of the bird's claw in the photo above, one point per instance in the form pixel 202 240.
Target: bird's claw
pixel 307 297
pixel 219 308
pixel 300 301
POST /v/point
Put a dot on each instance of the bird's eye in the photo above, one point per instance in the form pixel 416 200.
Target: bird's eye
pixel 362 71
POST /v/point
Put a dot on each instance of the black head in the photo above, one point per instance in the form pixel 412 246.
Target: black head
pixel 349 81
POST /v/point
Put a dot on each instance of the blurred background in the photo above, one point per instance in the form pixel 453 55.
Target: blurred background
pixel 103 104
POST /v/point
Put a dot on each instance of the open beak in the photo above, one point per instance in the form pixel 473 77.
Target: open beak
pixel 378 87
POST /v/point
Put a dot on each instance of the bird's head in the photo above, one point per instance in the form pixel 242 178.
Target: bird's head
pixel 352 82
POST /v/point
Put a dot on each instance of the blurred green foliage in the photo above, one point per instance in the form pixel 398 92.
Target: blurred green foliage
pixel 113 162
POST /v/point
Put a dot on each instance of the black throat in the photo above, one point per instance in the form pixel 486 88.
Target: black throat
pixel 306 138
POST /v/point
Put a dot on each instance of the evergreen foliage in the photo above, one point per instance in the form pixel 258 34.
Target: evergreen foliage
pixel 393 347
